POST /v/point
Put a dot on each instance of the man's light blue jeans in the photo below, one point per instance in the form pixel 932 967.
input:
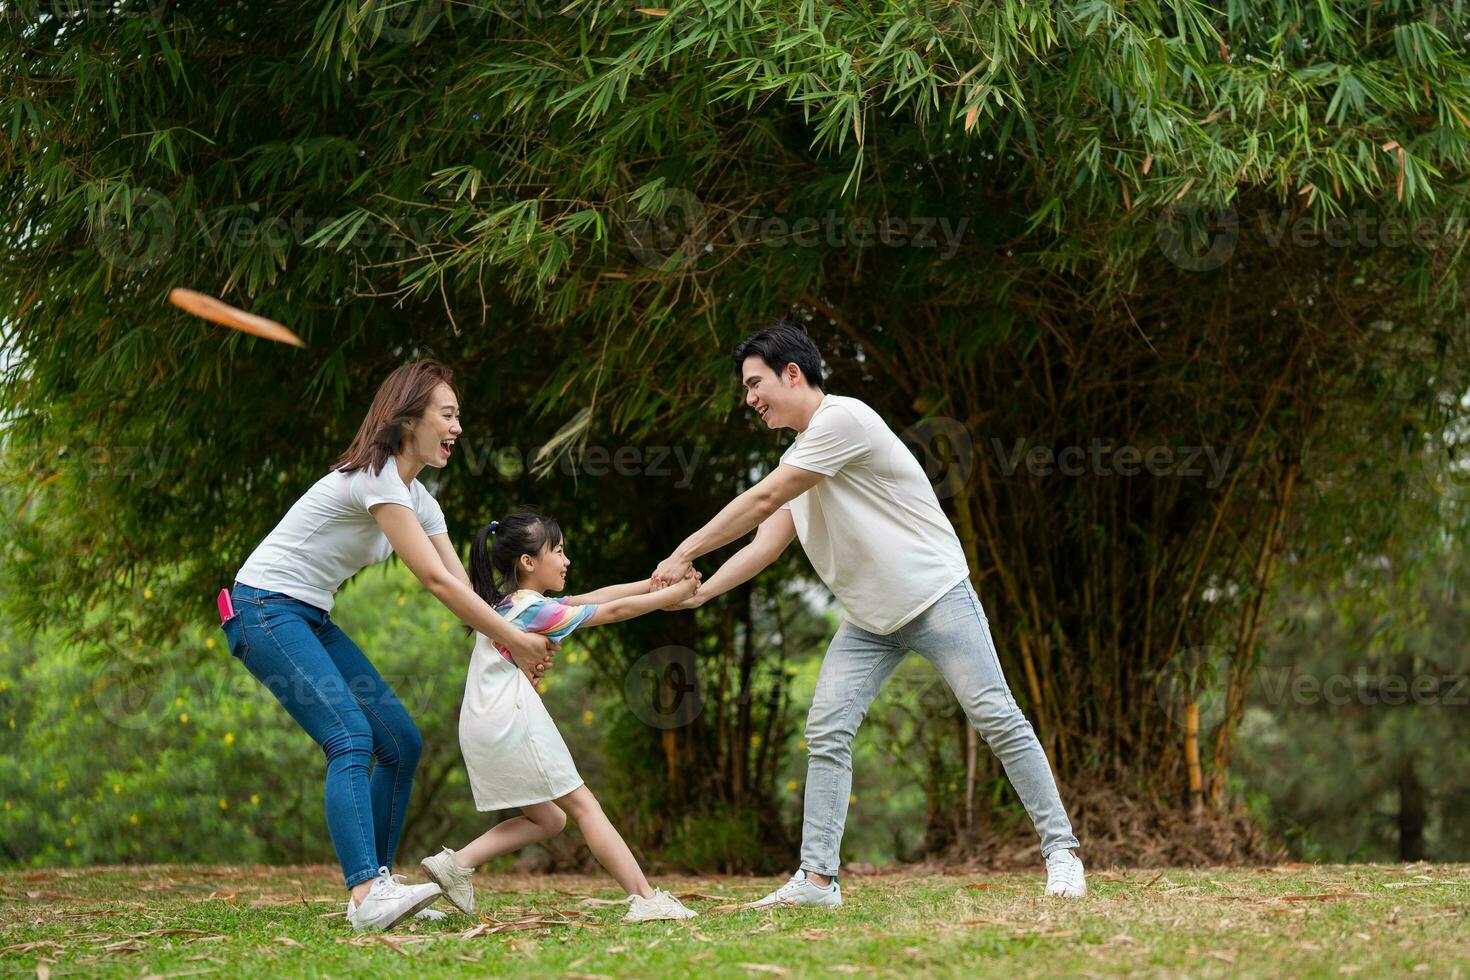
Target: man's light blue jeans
pixel 954 635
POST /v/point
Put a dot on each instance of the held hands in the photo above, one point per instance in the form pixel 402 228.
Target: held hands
pixel 680 592
pixel 669 571
pixel 533 653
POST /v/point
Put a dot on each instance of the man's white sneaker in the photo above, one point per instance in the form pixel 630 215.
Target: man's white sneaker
pixel 457 882
pixel 800 891
pixel 1064 875
pixel 390 902
pixel 661 906
pixel 430 915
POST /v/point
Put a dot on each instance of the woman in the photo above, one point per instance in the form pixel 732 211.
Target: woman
pixel 370 506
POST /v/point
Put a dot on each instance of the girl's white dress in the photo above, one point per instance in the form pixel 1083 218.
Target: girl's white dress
pixel 512 749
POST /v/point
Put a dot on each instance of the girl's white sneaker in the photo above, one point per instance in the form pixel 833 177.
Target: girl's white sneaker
pixel 390 902
pixel 661 906
pixel 457 882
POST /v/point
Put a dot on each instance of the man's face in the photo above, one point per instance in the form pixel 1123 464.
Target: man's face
pixel 768 394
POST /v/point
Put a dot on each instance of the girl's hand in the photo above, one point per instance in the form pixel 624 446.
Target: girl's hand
pixel 682 591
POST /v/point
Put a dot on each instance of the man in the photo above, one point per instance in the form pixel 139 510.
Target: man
pixel 873 530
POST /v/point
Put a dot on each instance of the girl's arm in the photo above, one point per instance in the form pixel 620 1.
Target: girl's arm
pixel 607 594
pixel 630 607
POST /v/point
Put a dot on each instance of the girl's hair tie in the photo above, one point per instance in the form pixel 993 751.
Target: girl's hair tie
pixel 493 526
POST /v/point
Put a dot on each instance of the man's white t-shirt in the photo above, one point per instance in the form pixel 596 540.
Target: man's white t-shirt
pixel 329 535
pixel 873 529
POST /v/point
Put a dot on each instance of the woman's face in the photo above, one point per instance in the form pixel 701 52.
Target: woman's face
pixel 431 440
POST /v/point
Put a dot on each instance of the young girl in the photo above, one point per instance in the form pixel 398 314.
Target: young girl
pixel 514 754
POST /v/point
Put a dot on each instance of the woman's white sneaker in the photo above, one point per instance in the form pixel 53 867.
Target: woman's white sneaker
pixel 661 906
pixel 799 890
pixel 457 882
pixel 390 901
pixel 1064 875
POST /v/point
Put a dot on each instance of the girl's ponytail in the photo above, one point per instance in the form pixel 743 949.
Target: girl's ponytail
pixel 482 577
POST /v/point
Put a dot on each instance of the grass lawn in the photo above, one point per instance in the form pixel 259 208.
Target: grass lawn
pixel 1295 920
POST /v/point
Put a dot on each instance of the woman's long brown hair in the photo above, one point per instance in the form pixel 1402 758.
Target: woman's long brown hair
pixel 402 397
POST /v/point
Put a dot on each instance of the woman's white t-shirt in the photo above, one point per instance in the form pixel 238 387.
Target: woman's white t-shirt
pixel 329 535
pixel 873 529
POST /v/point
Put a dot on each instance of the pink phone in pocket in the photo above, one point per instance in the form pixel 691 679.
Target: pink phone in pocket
pixel 226 607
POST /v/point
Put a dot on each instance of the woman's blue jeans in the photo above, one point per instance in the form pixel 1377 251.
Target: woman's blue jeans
pixel 335 694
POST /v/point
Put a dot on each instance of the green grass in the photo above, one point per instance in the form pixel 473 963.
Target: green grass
pixel 1297 920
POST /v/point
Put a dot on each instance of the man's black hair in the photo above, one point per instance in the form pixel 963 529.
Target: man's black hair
pixel 783 342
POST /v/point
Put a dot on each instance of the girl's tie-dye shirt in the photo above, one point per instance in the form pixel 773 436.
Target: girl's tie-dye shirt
pixel 535 613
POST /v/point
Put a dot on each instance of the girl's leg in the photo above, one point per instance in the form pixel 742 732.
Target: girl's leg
pixel 396 741
pixel 604 841
pixel 536 823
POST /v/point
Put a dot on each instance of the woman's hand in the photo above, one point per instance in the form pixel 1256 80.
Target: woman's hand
pixel 532 652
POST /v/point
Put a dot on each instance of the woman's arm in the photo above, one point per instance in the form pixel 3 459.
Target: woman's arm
pixel 630 607
pixel 771 538
pixel 449 557
pixel 607 594
pixel 532 652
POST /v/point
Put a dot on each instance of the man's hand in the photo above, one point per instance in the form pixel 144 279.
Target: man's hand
pixel 532 652
pixel 669 571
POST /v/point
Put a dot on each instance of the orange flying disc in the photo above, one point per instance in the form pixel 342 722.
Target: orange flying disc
pixel 229 316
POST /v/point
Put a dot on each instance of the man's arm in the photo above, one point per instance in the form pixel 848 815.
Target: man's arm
pixel 783 484
pixel 771 538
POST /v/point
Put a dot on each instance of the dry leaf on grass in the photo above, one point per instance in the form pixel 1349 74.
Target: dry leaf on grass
pixel 28 947
pixel 1323 897
pixel 288 941
pixel 779 971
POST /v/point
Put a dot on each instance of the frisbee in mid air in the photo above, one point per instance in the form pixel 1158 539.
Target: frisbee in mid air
pixel 226 315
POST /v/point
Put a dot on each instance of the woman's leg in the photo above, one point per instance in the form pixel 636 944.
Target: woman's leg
pixel 277 643
pixel 397 744
pixel 536 823
pixel 604 841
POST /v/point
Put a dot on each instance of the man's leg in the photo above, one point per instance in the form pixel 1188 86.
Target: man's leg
pixel 954 635
pixel 855 668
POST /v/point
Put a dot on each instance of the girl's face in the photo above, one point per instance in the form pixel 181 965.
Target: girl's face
pixel 430 441
pixel 547 572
